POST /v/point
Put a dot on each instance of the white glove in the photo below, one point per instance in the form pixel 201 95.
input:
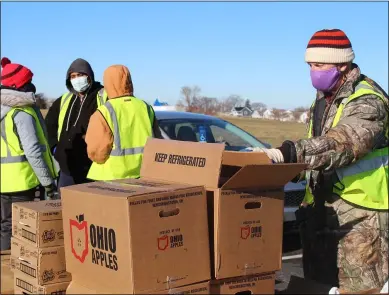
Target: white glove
pixel 273 154
pixel 334 290
pixel 385 288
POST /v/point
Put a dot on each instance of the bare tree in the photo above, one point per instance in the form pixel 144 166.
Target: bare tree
pixel 247 104
pixel 190 97
pixel 301 109
pixel 278 113
pixel 296 115
pixel 233 100
pixel 208 105
pixel 41 101
pixel 257 106
pixel 297 112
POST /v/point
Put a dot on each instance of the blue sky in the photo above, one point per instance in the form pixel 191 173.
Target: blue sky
pixel 253 49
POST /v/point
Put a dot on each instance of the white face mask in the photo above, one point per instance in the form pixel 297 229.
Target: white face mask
pixel 80 84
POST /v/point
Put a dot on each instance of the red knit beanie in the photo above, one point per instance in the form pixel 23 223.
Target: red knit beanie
pixel 329 46
pixel 14 75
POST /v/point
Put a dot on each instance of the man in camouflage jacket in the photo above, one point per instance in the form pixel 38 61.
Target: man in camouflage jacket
pixel 342 243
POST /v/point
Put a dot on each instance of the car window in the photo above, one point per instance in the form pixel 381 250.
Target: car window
pixel 186 129
pixel 209 131
pixel 226 136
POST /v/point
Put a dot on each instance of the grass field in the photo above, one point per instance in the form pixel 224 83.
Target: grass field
pixel 270 131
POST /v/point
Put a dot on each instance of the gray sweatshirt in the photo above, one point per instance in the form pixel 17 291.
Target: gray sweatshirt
pixel 27 131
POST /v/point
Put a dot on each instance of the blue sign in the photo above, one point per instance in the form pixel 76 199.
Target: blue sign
pixel 202 134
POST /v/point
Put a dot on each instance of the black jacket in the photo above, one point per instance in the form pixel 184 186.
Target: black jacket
pixel 70 151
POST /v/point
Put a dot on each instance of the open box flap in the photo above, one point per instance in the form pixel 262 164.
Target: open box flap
pixel 264 176
pixel 185 162
pixel 242 159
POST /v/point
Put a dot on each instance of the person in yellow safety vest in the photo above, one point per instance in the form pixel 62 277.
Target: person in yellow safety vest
pixel 67 121
pixel 26 161
pixel 118 130
pixel 344 216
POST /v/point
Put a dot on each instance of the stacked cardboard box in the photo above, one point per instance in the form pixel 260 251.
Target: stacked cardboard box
pixel 37 250
pixel 245 202
pixel 136 237
pixel 199 220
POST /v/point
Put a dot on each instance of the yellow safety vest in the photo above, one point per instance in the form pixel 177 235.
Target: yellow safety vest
pixel 365 182
pixel 16 172
pixel 65 103
pixel 130 120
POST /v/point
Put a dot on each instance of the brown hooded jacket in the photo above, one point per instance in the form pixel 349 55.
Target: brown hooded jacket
pixel 99 136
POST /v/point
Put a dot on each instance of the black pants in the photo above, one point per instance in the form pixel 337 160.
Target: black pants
pixel 6 214
pixel 67 180
pixel 319 241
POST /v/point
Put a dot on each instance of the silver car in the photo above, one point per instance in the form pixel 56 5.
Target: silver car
pixel 195 127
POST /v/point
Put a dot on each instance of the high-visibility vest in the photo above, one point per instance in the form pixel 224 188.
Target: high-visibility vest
pixel 365 182
pixel 65 103
pixel 16 172
pixel 130 120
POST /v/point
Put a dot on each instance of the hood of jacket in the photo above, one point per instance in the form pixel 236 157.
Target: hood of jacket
pixel 80 66
pixel 117 82
pixel 12 98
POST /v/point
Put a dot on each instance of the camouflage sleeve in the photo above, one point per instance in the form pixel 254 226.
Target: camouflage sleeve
pixel 361 128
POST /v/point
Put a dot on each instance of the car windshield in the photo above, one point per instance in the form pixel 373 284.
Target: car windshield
pixel 210 131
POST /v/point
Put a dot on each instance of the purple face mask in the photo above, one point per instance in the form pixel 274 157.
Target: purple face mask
pixel 325 80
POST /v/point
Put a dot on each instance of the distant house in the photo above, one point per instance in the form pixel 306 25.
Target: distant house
pixel 268 114
pixel 304 118
pixel 256 115
pixel 287 116
pixel 242 111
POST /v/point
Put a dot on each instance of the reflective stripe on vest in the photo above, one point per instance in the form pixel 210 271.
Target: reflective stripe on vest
pixel 127 152
pixel 9 158
pixel 365 182
pixel 65 102
pixel 117 151
pixel 364 165
pixel 101 97
pixel 17 174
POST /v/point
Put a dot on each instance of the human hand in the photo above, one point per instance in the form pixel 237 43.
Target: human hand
pixel 50 192
pixel 274 154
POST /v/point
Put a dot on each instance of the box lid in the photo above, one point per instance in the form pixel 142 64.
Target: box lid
pixel 126 188
pixel 210 165
pixel 268 176
pixel 30 213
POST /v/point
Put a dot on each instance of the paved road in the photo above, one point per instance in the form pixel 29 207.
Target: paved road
pixel 292 262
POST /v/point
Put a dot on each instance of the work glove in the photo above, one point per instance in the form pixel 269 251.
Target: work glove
pixel 274 154
pixel 50 192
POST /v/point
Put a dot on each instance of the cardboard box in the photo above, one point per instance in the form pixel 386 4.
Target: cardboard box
pixel 245 200
pixel 254 284
pixel 23 285
pixel 38 223
pixel 43 265
pixel 199 288
pixel 135 236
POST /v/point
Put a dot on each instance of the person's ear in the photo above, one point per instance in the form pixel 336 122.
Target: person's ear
pixel 343 68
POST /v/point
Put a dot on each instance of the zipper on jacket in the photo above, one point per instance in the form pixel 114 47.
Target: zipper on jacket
pixel 79 112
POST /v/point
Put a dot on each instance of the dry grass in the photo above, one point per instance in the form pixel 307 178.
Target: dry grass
pixel 44 112
pixel 270 131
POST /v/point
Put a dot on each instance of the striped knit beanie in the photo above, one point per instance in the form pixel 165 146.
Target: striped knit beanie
pixel 14 75
pixel 329 46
